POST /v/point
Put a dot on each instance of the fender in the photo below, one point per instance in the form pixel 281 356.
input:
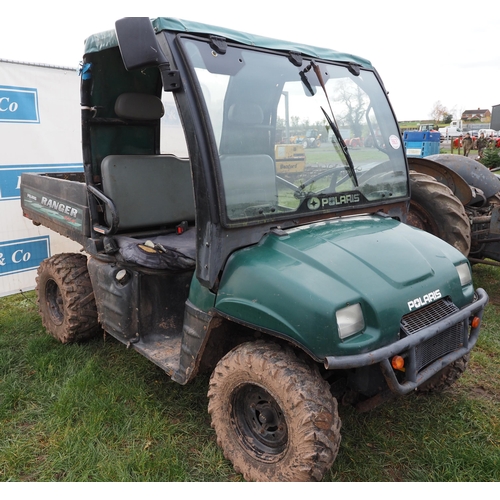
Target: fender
pixel 444 174
pixel 474 173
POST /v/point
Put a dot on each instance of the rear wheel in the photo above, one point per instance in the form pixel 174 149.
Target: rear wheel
pixel 273 414
pixel 66 299
pixel 435 209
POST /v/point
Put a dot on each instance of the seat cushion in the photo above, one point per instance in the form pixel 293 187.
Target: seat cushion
pixel 174 252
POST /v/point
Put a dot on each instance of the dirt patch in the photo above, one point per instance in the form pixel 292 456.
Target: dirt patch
pixel 483 393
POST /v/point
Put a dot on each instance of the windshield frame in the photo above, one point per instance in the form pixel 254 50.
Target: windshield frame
pixel 349 202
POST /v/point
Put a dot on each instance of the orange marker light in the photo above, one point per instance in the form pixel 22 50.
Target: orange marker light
pixel 476 321
pixel 398 363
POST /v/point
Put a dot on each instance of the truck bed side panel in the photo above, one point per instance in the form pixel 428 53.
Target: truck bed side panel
pixel 58 201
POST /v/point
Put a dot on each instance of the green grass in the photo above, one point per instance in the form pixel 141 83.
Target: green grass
pixel 95 411
pixel 99 412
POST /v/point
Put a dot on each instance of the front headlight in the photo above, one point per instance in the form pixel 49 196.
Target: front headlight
pixel 464 274
pixel 350 320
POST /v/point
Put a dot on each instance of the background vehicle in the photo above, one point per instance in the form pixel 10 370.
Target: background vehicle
pixel 293 293
pixel 311 139
pixel 450 131
pixel 428 128
pixel 457 199
pixel 290 159
pixel 488 132
pixel 453 129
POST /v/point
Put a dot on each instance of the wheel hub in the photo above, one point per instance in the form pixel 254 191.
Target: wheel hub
pixel 54 302
pixel 419 218
pixel 266 416
pixel 259 420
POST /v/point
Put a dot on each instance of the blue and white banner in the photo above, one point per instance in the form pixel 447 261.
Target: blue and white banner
pixel 18 104
pixel 40 131
pixel 10 176
pixel 23 255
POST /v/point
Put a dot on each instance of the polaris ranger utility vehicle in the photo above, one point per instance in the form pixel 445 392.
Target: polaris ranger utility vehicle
pixel 294 292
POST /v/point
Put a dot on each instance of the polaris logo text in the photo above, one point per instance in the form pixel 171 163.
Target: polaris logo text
pixel 314 203
pixel 59 207
pixel 423 301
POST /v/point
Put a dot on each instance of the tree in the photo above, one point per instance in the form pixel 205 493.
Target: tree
pixel 354 100
pixel 491 158
pixel 439 112
pixel 295 122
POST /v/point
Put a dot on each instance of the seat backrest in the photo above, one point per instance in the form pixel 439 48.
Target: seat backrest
pixel 149 190
pixel 244 132
pixel 249 180
pixel 133 106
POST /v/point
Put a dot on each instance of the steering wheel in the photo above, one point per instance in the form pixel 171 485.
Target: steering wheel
pixel 299 191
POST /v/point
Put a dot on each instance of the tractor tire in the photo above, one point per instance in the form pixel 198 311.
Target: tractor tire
pixel 274 416
pixel 435 209
pixel 65 298
pixel 445 378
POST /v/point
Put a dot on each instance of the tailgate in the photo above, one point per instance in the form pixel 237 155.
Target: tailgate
pixel 57 201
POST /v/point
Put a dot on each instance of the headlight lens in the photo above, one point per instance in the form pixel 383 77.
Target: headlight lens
pixel 350 320
pixel 464 274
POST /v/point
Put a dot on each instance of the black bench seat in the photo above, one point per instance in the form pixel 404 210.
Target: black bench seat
pixel 173 252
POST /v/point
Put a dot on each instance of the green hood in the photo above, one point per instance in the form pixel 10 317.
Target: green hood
pixel 293 285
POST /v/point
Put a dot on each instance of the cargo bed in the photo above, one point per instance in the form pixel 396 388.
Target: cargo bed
pixel 58 201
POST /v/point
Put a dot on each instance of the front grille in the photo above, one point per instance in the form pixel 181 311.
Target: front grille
pixel 441 344
pixel 428 315
pixel 447 341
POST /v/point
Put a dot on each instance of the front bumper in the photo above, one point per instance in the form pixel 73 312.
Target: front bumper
pixel 408 346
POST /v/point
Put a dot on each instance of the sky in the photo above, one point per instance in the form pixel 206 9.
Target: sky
pixel 425 52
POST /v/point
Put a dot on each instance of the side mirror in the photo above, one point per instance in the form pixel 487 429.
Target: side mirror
pixel 140 49
pixel 137 42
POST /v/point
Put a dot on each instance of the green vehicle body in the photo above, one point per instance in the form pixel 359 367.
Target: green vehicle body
pixel 257 289
pixel 325 265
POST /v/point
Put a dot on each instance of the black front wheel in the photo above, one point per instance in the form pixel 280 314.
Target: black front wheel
pixel 273 414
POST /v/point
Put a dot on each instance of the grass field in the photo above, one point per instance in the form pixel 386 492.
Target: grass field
pixel 100 412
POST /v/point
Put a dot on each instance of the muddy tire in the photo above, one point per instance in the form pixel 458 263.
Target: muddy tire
pixel 65 298
pixel 435 209
pixel 445 378
pixel 274 416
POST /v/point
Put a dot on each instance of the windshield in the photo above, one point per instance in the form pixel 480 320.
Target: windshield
pixel 296 137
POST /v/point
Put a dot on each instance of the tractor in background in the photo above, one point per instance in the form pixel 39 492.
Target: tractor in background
pixel 457 199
